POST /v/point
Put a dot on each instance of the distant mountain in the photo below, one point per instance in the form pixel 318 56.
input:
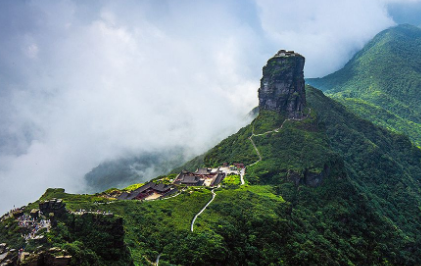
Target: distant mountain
pixel 133 169
pixel 382 82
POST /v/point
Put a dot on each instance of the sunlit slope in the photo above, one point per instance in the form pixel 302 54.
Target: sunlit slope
pixel 382 82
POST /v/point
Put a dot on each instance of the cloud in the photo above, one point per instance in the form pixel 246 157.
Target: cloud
pixel 83 82
pixel 405 11
pixel 89 89
pixel 324 31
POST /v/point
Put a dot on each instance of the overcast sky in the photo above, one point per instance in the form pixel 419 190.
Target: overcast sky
pixel 82 82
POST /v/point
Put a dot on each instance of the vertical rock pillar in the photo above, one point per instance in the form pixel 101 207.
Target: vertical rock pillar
pixel 282 87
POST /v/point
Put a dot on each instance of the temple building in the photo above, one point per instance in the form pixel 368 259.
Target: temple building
pixel 202 177
pixel 149 191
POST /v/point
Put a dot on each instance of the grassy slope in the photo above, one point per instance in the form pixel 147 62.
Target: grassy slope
pixel 235 148
pixel 382 82
pixel 299 147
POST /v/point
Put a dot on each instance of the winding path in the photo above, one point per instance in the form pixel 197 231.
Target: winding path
pixel 203 209
pixel 157 259
pixel 165 198
pixel 267 132
pixel 257 151
pixel 262 134
pixel 242 173
pixel 193 221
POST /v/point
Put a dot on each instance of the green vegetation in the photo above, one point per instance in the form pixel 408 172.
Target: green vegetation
pixel 91 239
pixel 73 201
pixel 331 189
pixel 267 121
pixel 381 82
pixel 235 148
pixel 298 149
pixel 145 223
pixel 132 187
pixel 232 180
pixel 383 166
pixel 365 211
pixel 10 233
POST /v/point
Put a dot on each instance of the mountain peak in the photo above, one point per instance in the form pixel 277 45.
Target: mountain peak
pixel 406 28
pixel 282 85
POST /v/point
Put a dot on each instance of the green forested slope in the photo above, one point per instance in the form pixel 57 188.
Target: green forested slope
pixel 366 209
pixel 383 166
pixel 382 82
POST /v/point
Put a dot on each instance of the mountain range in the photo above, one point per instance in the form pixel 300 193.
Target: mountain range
pixel 332 177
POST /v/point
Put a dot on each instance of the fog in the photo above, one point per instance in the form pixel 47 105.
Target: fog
pixel 83 82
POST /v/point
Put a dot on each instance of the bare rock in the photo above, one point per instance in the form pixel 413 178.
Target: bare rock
pixel 282 87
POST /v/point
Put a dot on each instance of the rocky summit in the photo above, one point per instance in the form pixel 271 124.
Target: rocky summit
pixel 282 87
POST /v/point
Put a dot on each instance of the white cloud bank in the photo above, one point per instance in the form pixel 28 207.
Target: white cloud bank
pixel 326 32
pixel 83 82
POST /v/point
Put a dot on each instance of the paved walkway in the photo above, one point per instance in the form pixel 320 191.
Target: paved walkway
pixel 170 197
pixel 242 172
pixel 157 259
pixel 202 210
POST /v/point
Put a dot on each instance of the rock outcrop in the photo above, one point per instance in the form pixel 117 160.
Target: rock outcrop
pixel 282 87
pixel 56 206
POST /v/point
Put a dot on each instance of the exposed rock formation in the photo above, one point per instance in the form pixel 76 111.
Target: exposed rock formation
pixel 56 206
pixel 282 85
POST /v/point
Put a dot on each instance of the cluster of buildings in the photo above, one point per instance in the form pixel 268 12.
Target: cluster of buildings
pixel 284 53
pixel 209 177
pixel 149 191
pixel 34 225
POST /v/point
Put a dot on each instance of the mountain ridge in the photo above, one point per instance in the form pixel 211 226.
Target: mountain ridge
pixel 382 81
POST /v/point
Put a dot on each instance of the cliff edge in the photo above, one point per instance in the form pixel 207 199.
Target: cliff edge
pixel 282 87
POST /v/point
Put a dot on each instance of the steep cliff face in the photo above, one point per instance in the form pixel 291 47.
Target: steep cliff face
pixel 282 87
